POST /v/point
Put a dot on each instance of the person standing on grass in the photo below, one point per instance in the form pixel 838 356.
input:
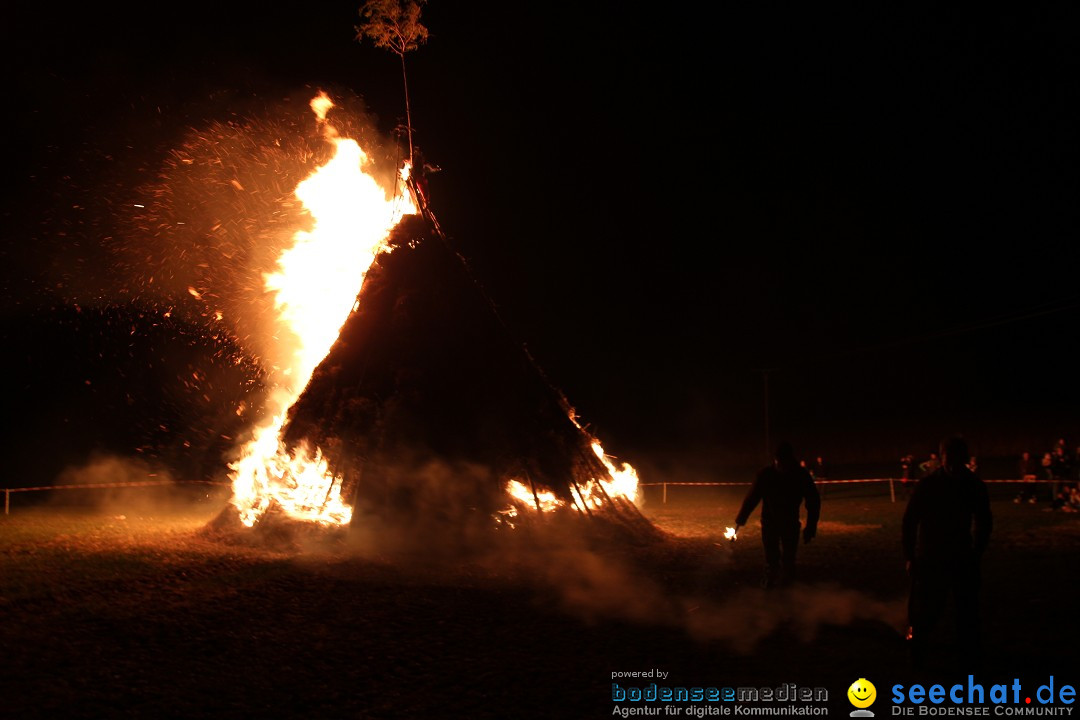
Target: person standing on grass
pixel 905 471
pixel 929 466
pixel 945 531
pixel 1025 470
pixel 782 488
pixel 1060 472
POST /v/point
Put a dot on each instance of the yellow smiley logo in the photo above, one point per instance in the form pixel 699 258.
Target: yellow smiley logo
pixel 862 693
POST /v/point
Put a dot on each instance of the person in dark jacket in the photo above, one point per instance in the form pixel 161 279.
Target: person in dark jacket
pixel 781 488
pixel 945 530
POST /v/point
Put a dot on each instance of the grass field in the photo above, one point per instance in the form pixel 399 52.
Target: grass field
pixel 133 613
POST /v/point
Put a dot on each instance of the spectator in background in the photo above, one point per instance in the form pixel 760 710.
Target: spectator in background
pixel 1063 464
pixel 1060 471
pixel 819 470
pixel 929 466
pixel 973 464
pixel 1072 502
pixel 1025 470
pixel 945 530
pixel 1046 463
pixel 905 469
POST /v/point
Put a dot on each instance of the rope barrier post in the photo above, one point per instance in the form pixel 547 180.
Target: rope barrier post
pixel 665 493
pixel 892 489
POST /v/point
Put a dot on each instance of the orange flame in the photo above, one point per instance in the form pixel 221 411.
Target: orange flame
pixel 315 286
pixel 320 105
pixel 624 481
pixel 622 484
pixel 545 499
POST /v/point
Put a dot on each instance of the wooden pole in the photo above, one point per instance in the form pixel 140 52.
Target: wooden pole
pixel 581 496
pixel 408 111
pixel 536 498
pixel 7 502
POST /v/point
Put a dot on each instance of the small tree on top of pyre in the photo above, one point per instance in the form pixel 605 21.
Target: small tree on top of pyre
pixel 395 26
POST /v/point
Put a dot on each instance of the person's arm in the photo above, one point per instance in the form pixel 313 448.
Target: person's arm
pixel 813 509
pixel 984 519
pixel 753 497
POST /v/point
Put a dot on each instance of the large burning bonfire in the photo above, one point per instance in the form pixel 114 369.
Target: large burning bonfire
pixel 396 361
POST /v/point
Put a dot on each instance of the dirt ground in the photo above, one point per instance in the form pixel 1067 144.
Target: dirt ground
pixel 135 613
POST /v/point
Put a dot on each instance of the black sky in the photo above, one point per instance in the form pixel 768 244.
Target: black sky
pixel 880 206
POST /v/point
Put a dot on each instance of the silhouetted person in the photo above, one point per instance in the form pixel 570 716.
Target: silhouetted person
pixel 905 470
pixel 781 488
pixel 928 466
pixel 1060 471
pixel 1046 463
pixel 946 528
pixel 1025 470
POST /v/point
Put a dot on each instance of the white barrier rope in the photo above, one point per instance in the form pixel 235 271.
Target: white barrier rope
pixel 841 482
pixel 892 483
pixel 96 486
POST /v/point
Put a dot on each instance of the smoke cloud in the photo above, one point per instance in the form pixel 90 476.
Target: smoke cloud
pixel 596 583
pixel 443 524
pixel 119 485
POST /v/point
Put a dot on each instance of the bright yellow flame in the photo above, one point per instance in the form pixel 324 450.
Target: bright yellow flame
pixel 729 534
pixel 624 481
pixel 300 484
pixel 319 277
pixel 321 104
pixel 545 499
pixel 315 286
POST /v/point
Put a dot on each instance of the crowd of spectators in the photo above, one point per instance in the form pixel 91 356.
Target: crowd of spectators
pixel 1052 477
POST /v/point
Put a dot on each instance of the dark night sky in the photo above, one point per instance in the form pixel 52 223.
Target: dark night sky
pixel 881 207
